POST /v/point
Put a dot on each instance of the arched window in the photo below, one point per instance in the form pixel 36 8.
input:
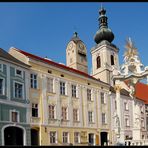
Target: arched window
pixel 98 60
pixel 112 59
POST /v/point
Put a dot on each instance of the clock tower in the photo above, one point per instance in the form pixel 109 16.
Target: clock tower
pixel 76 54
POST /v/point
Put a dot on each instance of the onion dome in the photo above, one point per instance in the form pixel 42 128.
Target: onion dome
pixel 104 33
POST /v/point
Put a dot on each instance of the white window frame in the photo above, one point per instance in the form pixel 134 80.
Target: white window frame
pixel 49 85
pixel 18 74
pixel 77 115
pixel 53 105
pixel 3 86
pixel 1 68
pixel 105 119
pixel 18 115
pixel 65 136
pixel 55 137
pixel 104 100
pixel 14 89
pixel 89 99
pixel 91 116
pixel 35 108
pixel 75 91
pixel 33 86
pixel 77 137
pixel 65 87
pixel 66 113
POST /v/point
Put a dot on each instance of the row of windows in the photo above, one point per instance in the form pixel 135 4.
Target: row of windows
pixel 65 137
pixel 18 89
pixel 64 110
pixel 63 88
pixel 18 72
pixel 98 61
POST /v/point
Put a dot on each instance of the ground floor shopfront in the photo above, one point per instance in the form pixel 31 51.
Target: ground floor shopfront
pixel 47 135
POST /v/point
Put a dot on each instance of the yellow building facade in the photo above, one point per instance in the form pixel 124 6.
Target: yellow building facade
pixel 67 106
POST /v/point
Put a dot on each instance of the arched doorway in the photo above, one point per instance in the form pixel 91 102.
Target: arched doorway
pixel 13 136
pixel 104 138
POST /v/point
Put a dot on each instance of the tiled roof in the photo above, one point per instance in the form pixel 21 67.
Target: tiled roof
pixel 142 92
pixel 57 65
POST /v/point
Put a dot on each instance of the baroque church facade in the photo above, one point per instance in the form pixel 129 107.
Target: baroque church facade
pixel 64 105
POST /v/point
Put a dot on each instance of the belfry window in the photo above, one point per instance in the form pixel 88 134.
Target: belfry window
pixel 112 60
pixel 98 60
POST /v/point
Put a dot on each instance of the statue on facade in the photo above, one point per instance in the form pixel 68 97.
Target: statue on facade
pixel 132 64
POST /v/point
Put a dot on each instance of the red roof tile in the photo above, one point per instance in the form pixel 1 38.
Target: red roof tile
pixel 57 65
pixel 142 92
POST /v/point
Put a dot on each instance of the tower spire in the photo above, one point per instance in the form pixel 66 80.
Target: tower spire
pixel 104 33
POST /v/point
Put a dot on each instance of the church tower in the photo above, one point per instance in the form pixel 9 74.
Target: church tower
pixel 104 53
pixel 76 54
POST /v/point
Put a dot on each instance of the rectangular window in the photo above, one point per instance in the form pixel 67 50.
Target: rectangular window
pixel 18 90
pixel 53 136
pixel 34 110
pixel 89 95
pixel 75 115
pixel 62 88
pixel 50 85
pixel 1 86
pixel 102 98
pixel 90 117
pixel 18 73
pixel 65 137
pixel 1 67
pixel 125 106
pixel 74 91
pixel 64 113
pixel 127 122
pixel 33 81
pixel 51 112
pixel 76 137
pixel 103 118
pixel 14 116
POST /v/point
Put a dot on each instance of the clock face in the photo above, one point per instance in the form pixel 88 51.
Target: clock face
pixel 70 46
pixel 81 46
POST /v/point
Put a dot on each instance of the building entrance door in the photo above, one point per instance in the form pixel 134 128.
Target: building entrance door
pixel 104 140
pixel 34 137
pixel 13 136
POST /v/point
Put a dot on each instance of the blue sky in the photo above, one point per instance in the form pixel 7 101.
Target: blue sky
pixel 45 28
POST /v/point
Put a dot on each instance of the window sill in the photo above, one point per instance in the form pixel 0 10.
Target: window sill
pixel 90 101
pixel 104 123
pixel 63 96
pixel 75 98
pixel 50 93
pixel 64 120
pixel 76 121
pixel 91 122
